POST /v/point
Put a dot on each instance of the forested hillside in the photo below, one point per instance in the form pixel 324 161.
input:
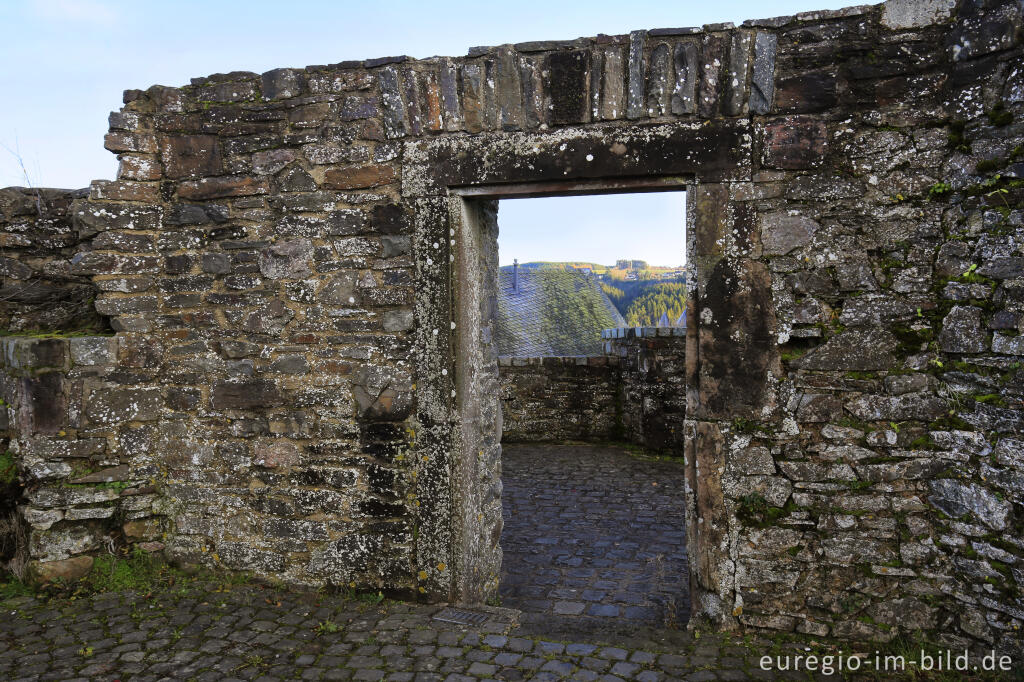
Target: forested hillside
pixel 662 298
pixel 642 302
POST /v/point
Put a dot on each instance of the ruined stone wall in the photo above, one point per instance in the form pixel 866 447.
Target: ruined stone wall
pixel 652 363
pixel 76 433
pixel 284 270
pixel 557 399
pixel 39 287
pixel 634 393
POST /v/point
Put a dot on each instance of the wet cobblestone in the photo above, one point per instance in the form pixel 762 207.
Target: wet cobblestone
pixel 211 632
pixel 593 538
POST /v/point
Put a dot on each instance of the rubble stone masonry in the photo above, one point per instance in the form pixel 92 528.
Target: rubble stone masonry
pixel 288 260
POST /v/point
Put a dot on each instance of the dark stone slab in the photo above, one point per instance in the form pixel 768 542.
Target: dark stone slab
pixel 714 150
pixel 665 32
pixel 794 143
pixel 806 93
pixel 567 86
pixel 635 93
pixel 244 394
pixel 659 76
pixel 391 100
pixel 715 47
pixel 762 81
pixel 382 61
pixel 686 60
pixel 739 65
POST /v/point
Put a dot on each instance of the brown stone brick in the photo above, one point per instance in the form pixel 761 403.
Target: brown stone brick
pixel 360 177
pixel 190 156
pixel 228 186
pixel 794 142
pixel 125 190
pixel 139 167
pixel 120 141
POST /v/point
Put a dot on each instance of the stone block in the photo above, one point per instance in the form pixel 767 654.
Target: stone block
pixel 852 350
pixel 245 394
pixel 958 498
pixel 43 404
pixel 191 156
pixel 794 143
pixel 65 570
pixel 360 177
pixel 220 187
pixel 963 332
pixel 784 231
pixel 906 14
pixel 31 353
pixel 109 405
pixel 567 74
pixel 287 259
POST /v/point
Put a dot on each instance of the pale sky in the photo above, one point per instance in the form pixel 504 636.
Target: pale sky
pixel 66 62
pixel 597 229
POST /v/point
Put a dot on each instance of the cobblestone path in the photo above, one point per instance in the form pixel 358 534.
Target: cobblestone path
pixel 207 632
pixel 594 539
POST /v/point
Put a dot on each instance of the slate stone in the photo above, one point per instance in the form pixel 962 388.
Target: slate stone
pixel 962 331
pixel 911 406
pixel 713 58
pixel 956 498
pixel 190 156
pixel 286 259
pixel 762 82
pixel 852 350
pixel 282 83
pixel 635 94
pixel 739 63
pixel 244 394
pixel 448 81
pixel 782 232
pixel 613 84
pixel 806 93
pixel 120 405
pixel 566 84
pixel 686 62
pixel 794 143
pixel 659 75
pixel 905 14
pixel 391 99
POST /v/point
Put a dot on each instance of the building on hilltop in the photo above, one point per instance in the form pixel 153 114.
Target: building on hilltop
pixel 551 313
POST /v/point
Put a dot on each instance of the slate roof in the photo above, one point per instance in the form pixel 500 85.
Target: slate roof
pixel 555 313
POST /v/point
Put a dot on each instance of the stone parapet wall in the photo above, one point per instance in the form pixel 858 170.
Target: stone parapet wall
pixel 634 393
pixel 39 239
pixel 561 399
pixel 79 435
pixel 652 363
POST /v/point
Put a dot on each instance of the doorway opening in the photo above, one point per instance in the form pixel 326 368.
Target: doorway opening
pixel 589 332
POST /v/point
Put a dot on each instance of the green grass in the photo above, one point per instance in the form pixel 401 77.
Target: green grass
pixel 8 470
pixel 138 572
pixel 11 587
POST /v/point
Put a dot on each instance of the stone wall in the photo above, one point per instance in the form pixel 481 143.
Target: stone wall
pixel 652 363
pixel 40 289
pixel 283 257
pixel 79 435
pixel 634 393
pixel 558 399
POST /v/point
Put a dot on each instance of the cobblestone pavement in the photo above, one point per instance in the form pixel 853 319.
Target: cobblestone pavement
pixel 208 632
pixel 594 539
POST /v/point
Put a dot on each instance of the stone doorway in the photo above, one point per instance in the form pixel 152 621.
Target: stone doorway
pixel 452 185
pixel 623 566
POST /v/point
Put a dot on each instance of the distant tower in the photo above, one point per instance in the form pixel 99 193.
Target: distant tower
pixel 515 275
